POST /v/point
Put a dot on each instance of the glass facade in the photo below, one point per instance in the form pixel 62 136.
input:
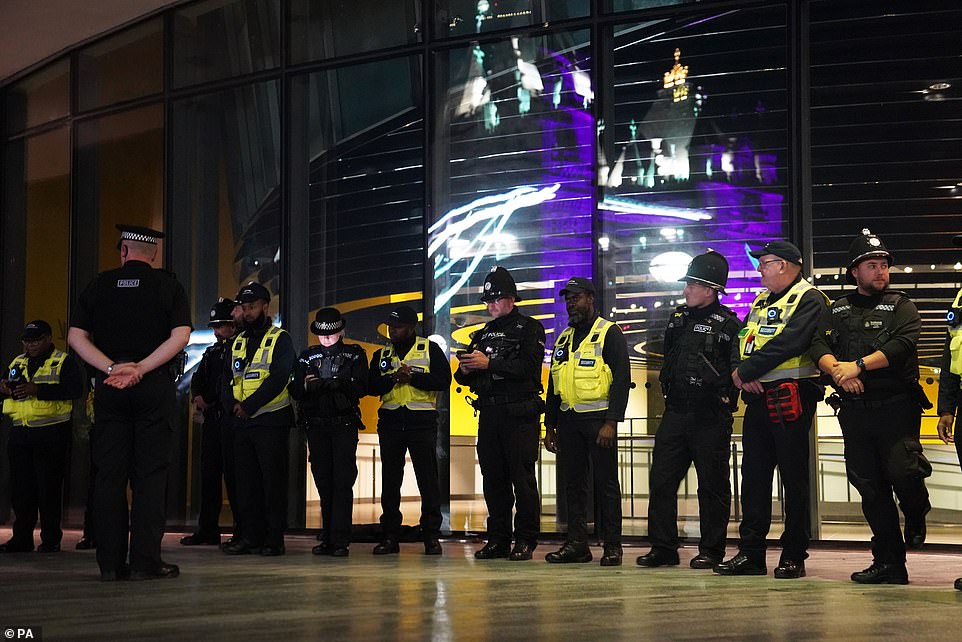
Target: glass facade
pixel 369 153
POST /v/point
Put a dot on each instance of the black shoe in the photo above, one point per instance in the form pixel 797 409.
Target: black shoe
pixel 340 551
pixel 915 535
pixel 273 551
pixel 48 548
pixel 159 571
pixel 522 551
pixel 789 570
pixel 958 584
pixel 658 557
pixel 741 564
pixel 16 547
pixel 704 561
pixel 240 547
pixel 123 573
pixel 570 553
pixel 432 546
pixel 324 548
pixel 882 574
pixel 86 544
pixel 493 550
pixel 612 556
pixel 387 547
pixel 200 539
pixel 230 541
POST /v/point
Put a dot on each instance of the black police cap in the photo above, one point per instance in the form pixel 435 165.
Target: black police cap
pixel 402 315
pixel 327 321
pixel 576 285
pixel 781 249
pixel 710 269
pixel 253 292
pixel 497 284
pixel 957 240
pixel 139 234
pixel 220 312
pixel 36 329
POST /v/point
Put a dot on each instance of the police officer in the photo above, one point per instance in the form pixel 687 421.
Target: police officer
pixel 697 426
pixel 38 391
pixel 215 458
pixel 131 324
pixel 408 374
pixel 779 384
pixel 262 360
pixel 950 377
pixel 329 381
pixel 867 342
pixel 587 397
pixel 503 368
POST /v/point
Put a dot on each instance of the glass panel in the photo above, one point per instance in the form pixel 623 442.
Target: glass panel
pixel 36 275
pixel 886 84
pixel 361 170
pixel 693 157
pixel 225 204
pixel 342 27
pixel 122 67
pixel 514 158
pixel 461 17
pixel 225 38
pixel 120 177
pixel 40 98
pixel 628 5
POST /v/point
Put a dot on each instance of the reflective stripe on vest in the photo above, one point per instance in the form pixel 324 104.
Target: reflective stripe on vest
pixel 765 322
pixel 955 334
pixel 246 380
pixel 33 412
pixel 581 377
pixel 419 358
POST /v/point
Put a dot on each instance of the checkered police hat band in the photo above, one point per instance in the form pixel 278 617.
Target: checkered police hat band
pixel 134 236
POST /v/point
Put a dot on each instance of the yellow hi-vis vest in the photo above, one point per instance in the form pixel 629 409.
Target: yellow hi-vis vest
pixel 955 334
pixel 33 412
pixel 580 376
pixel 248 378
pixel 765 322
pixel 405 394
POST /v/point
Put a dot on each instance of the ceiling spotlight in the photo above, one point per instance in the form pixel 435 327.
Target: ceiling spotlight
pixel 908 269
pixel 939 86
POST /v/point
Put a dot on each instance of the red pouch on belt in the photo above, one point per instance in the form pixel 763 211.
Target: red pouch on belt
pixel 784 403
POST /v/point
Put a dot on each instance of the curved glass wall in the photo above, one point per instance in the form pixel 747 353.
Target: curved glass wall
pixel 370 153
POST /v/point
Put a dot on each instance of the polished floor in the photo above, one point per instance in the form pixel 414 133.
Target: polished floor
pixel 454 597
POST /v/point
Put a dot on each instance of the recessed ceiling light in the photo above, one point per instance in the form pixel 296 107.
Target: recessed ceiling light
pixel 939 86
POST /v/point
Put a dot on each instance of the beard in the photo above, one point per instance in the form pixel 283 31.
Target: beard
pixel 253 325
pixel 577 317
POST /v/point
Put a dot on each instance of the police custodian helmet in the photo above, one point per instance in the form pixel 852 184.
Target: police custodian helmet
pixel 865 246
pixel 710 268
pixel 497 284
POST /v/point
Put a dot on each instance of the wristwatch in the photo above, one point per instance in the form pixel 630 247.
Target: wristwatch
pixel 110 368
pixel 861 364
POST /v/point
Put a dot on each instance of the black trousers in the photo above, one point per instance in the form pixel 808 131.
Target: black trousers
pixel 702 437
pixel 261 463
pixel 211 473
pixel 422 444
pixel 90 531
pixel 333 457
pixel 577 444
pixel 882 455
pixel 38 457
pixel 767 444
pixel 229 466
pixel 508 449
pixel 132 445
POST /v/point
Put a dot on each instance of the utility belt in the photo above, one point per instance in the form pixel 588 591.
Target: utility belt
pixel 352 419
pixel 856 402
pixel 513 406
